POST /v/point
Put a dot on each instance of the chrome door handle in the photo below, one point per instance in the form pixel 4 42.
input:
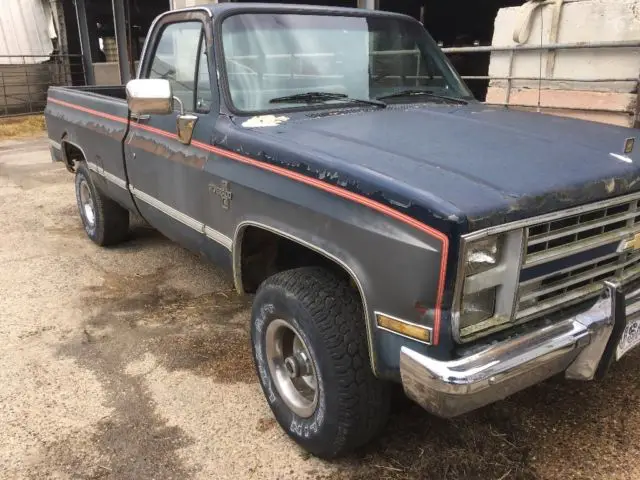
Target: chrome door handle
pixel 140 118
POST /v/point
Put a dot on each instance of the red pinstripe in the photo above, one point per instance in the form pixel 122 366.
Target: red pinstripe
pixel 314 182
pixel 88 110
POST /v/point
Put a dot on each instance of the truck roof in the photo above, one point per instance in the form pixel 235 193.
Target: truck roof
pixel 220 8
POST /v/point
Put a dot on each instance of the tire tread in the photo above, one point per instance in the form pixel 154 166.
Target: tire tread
pixel 336 310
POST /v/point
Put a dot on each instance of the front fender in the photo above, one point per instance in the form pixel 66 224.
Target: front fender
pixel 395 267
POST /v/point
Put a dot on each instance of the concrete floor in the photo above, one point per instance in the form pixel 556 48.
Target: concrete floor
pixel 134 362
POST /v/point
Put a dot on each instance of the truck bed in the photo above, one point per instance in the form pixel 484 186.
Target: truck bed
pixel 93 121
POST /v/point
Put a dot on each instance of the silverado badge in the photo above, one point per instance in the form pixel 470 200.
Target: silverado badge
pixel 223 192
pixel 630 243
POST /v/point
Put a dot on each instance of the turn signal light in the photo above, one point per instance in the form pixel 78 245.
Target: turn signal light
pixel 402 327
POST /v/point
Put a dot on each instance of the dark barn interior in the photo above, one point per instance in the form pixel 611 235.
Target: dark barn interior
pixel 451 23
pixel 459 23
pixel 100 24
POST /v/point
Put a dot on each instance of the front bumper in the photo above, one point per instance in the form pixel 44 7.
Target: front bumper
pixel 582 346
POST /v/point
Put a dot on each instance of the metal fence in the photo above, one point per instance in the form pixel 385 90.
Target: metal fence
pixel 24 80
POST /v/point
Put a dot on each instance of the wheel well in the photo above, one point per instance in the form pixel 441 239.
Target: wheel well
pixel 72 154
pixel 264 253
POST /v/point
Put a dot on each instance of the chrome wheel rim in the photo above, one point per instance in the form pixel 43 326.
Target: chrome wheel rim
pixel 292 368
pixel 86 203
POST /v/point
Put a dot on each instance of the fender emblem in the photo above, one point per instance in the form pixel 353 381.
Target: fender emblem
pixel 223 192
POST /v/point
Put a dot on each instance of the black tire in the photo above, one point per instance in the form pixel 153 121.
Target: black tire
pixel 326 312
pixel 110 223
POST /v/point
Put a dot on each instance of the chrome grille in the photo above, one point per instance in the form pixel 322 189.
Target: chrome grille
pixel 559 283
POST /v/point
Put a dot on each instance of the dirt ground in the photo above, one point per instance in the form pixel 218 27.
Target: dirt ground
pixel 134 363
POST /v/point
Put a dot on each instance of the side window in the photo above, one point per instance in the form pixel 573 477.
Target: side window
pixel 176 57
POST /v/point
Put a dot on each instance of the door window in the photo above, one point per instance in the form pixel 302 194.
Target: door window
pixel 180 57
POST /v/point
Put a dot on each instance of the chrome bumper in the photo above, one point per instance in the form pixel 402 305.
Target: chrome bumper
pixel 582 346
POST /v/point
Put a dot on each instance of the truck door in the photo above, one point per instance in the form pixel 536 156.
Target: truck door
pixel 166 175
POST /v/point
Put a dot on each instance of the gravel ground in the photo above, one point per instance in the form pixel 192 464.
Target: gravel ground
pixel 134 362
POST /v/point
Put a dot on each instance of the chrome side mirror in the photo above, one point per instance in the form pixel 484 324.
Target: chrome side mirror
pixel 185 123
pixel 149 95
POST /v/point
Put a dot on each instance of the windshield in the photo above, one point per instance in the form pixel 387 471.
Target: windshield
pixel 275 60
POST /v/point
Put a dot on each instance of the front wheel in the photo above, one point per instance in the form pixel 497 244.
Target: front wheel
pixel 310 349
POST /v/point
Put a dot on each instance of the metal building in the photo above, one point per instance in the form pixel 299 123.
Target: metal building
pixel 30 60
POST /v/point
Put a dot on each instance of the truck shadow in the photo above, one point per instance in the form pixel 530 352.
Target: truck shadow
pixel 557 429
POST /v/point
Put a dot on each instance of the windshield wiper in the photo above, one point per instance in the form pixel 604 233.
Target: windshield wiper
pixel 320 97
pixel 425 93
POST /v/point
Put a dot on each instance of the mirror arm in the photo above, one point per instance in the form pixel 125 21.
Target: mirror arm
pixel 176 99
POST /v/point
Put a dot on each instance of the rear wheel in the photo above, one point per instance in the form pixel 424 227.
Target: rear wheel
pixel 310 350
pixel 105 221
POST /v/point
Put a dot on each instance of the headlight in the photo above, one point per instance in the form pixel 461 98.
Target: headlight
pixel 478 307
pixel 482 255
pixel 487 282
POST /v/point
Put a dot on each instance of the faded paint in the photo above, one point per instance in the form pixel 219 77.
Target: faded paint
pixel 264 121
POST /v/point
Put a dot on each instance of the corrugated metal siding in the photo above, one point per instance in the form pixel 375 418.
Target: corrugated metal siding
pixel 26 28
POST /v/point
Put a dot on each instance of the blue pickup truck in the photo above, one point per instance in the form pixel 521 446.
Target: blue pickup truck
pixel 392 228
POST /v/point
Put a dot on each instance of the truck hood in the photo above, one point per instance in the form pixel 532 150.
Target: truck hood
pixel 492 164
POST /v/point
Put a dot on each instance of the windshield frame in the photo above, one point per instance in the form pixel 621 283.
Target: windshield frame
pixel 221 63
